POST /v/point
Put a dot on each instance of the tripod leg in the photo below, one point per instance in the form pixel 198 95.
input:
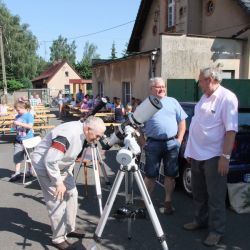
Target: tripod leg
pixel 97 178
pixel 102 164
pixel 151 210
pixel 108 205
pixel 81 163
pixel 85 167
pixel 129 198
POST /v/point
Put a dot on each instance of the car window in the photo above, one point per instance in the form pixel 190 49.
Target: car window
pixel 190 112
pixel 243 117
pixel 244 121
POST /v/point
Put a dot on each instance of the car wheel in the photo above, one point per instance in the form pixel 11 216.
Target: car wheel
pixel 186 179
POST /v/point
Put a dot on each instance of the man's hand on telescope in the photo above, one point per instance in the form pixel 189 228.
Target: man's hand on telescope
pixel 60 190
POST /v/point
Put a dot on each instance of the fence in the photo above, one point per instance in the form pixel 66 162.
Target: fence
pixel 187 90
pixel 44 95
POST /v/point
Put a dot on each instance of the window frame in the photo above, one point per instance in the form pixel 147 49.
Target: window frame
pixel 126 92
pixel 171 13
pixel 100 89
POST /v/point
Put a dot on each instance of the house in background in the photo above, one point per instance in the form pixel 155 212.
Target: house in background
pixel 174 39
pixel 60 76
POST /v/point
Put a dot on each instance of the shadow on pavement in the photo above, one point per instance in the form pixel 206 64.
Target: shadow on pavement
pixel 18 222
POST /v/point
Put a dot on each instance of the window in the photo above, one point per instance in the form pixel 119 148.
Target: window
pixel 210 7
pixel 67 89
pixel 126 92
pixel 66 73
pixel 228 74
pixel 100 89
pixel 171 13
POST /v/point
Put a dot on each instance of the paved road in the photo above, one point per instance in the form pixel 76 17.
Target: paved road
pixel 24 222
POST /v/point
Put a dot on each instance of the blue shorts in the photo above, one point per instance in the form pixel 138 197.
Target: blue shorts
pixel 161 151
pixel 19 153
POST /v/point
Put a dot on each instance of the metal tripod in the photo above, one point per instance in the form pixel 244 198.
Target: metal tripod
pixel 96 159
pixel 133 169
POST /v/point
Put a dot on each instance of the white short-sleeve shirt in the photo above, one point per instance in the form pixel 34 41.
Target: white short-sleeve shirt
pixel 214 115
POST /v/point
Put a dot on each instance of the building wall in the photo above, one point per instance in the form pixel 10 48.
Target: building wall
pixel 135 70
pixel 234 18
pixel 181 16
pixel 192 17
pixel 60 79
pixel 149 40
pixel 182 56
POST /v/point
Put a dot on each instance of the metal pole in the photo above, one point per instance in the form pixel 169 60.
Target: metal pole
pixel 3 63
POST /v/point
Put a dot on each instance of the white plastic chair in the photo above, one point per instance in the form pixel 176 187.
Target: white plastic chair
pixel 28 145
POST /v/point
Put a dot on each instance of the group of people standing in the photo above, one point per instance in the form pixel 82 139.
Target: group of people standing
pixel 209 146
pixel 210 142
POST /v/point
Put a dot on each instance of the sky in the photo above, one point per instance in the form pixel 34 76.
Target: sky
pixel 77 20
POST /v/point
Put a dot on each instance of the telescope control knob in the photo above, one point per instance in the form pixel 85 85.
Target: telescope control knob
pixel 124 156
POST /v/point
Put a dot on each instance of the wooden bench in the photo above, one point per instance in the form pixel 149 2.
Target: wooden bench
pixel 107 124
pixel 35 128
pixel 11 117
pixel 7 123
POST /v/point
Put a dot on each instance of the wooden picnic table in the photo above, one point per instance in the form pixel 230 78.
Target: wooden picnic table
pixel 107 124
pixel 10 117
pixel 42 111
pixel 7 123
pixel 104 114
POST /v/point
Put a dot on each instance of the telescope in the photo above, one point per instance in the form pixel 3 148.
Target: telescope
pixel 126 156
pixel 98 107
pixel 142 113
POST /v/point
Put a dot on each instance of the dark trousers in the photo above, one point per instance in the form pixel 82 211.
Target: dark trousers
pixel 209 193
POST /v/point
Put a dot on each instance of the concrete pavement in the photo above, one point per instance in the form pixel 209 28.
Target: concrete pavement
pixel 24 223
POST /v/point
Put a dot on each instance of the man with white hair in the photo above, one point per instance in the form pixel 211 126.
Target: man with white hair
pixel 164 132
pixel 53 160
pixel 210 143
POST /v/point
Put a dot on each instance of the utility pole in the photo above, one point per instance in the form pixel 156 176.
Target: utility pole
pixel 3 64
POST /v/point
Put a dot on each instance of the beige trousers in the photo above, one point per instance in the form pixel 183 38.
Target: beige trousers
pixel 62 214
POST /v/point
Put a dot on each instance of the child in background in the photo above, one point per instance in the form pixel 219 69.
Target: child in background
pixel 73 102
pixel 60 102
pixel 128 109
pixel 119 111
pixel 38 99
pixel 23 124
pixel 109 105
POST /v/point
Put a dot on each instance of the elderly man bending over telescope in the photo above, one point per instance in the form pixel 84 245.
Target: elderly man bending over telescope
pixel 53 160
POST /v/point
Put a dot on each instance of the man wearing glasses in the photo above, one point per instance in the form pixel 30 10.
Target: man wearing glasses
pixel 164 132
pixel 53 160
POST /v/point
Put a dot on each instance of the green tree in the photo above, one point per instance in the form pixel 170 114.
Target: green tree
pixel 125 51
pixel 20 46
pixel 42 65
pixel 27 83
pixel 84 66
pixel 62 50
pixel 113 51
pixel 12 85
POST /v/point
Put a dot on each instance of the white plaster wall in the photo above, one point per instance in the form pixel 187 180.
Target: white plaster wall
pixel 58 81
pixel 183 57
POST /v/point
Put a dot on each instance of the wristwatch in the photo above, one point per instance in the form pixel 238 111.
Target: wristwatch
pixel 226 156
